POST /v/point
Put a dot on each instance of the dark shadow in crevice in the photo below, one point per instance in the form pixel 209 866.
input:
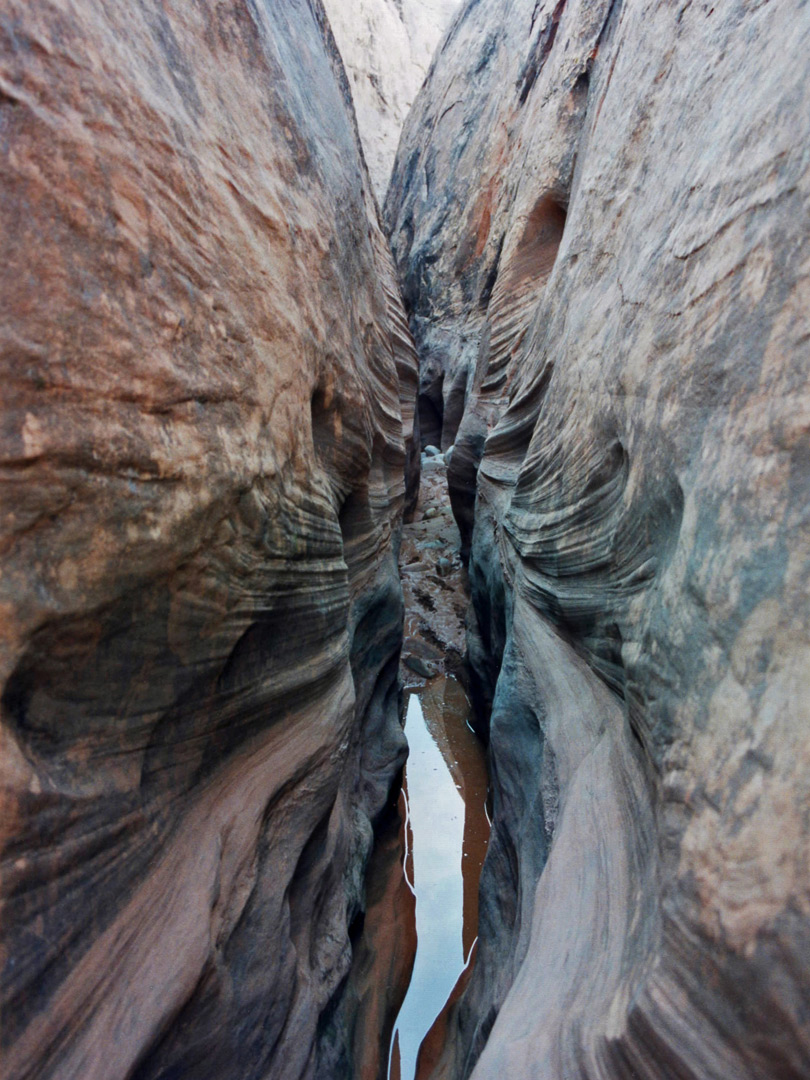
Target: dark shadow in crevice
pixel 430 406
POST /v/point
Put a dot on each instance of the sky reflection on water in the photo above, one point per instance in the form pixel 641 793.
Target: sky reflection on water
pixel 436 834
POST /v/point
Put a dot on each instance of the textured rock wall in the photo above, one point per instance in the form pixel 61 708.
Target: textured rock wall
pixel 202 455
pixel 387 46
pixel 603 242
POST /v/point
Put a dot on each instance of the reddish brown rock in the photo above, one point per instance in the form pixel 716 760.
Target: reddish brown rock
pixel 202 455
pixel 604 246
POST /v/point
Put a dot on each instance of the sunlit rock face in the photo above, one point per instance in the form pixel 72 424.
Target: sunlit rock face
pixel 604 248
pixel 203 466
pixel 387 47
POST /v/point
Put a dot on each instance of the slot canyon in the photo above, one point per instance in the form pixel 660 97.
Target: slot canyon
pixel 405 530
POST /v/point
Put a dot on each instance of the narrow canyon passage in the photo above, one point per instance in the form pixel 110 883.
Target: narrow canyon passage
pixel 425 870
pixel 445 781
pixel 222 352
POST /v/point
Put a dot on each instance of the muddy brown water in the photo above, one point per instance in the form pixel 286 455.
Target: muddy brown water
pixel 447 831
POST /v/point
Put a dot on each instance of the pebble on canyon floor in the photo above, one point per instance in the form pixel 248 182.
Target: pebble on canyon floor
pixel 431 512
pixel 420 666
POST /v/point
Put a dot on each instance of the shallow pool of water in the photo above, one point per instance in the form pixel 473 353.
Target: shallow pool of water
pixel 447 831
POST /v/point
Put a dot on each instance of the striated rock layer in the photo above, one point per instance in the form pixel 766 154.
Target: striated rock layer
pixel 202 461
pixel 603 242
pixel 387 46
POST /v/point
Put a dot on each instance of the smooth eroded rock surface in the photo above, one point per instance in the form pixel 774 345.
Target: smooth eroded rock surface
pixel 202 458
pixel 604 248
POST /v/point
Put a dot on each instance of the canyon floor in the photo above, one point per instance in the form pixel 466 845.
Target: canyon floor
pixel 434 584
pixel 435 844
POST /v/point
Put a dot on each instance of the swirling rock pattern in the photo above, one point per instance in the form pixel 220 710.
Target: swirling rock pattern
pixel 603 242
pixel 203 475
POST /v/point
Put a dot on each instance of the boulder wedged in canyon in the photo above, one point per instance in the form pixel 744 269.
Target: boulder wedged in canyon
pixel 387 46
pixel 203 467
pixel 599 216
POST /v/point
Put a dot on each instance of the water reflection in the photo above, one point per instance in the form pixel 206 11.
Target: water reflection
pixel 447 833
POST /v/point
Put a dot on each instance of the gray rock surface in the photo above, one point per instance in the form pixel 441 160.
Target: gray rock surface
pixel 604 249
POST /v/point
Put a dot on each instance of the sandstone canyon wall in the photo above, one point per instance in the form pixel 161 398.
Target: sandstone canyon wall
pixel 387 46
pixel 599 212
pixel 208 389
